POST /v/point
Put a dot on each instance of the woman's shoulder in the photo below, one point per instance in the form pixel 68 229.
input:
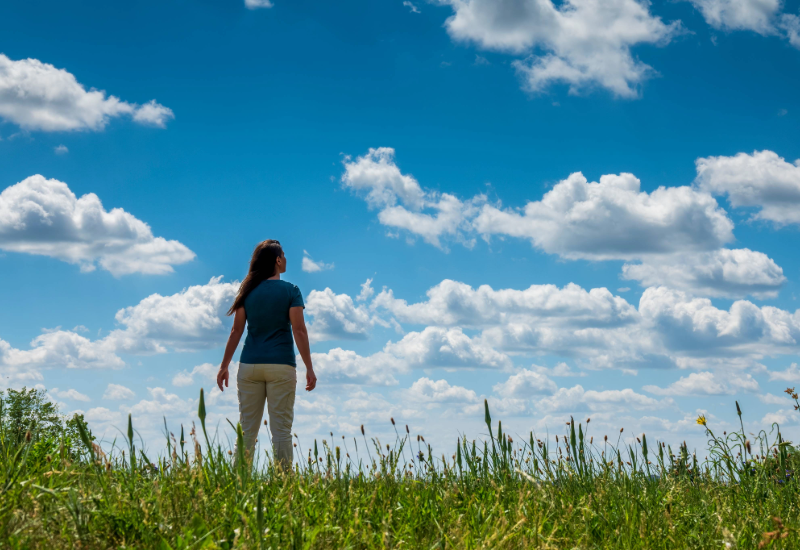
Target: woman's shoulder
pixel 288 285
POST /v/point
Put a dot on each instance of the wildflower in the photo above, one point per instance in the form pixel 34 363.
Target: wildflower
pixel 620 430
pixel 392 419
pixel 409 433
pixel 701 420
pixel 362 429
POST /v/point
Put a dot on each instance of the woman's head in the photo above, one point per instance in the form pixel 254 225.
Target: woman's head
pixel 267 261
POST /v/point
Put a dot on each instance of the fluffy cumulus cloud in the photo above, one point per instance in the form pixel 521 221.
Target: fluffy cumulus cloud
pixel 672 235
pixel 402 203
pixel 791 374
pixel 525 384
pixel 581 43
pixel 310 266
pixel 191 319
pixel 336 317
pixel 695 327
pixel 613 219
pixel 445 347
pixel 44 217
pixel 340 366
pixel 118 392
pixel 70 395
pixel 724 273
pixel 430 391
pixel 38 96
pixel 761 16
pixel 206 372
pixel 454 303
pixel 707 383
pixel 58 349
pixel 761 180
pixel 433 347
pixel 753 15
pixel 579 399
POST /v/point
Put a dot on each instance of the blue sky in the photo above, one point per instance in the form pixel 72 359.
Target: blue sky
pixel 432 148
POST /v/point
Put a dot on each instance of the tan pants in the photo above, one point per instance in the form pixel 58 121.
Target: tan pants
pixel 276 384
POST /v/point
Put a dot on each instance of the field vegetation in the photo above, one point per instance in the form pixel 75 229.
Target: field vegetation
pixel 60 489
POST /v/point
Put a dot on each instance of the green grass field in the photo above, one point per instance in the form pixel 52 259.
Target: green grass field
pixel 59 490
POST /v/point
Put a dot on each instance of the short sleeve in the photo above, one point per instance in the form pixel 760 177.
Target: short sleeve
pixel 297 297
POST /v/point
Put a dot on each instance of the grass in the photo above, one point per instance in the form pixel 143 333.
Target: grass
pixel 62 491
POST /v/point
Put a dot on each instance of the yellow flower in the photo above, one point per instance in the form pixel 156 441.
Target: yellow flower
pixel 701 420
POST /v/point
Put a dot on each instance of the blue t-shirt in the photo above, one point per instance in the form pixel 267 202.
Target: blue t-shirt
pixel 269 332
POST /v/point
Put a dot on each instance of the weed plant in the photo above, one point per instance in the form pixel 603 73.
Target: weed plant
pixel 59 489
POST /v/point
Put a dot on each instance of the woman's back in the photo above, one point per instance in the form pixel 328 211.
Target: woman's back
pixel 269 332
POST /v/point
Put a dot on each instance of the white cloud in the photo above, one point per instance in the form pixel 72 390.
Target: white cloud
pixel 791 374
pixel 526 384
pixel 60 349
pixel 44 217
pixel 613 219
pixel 189 320
pixel 578 399
pixel 347 367
pixel 772 399
pixel 38 96
pixel 207 371
pixel 790 24
pixel 440 391
pixel 336 317
pixel 582 43
pixel 117 392
pixel 255 4
pixel 71 394
pixel 366 291
pixel 162 404
pixel 186 321
pixel 561 370
pixel 762 180
pixel 411 7
pixel 61 150
pixel 153 114
pixel 695 327
pixel 445 347
pixel 675 233
pixel 723 272
pixel 454 303
pixel 732 15
pixel 781 417
pixel 434 347
pixel 377 175
pixel 707 383
pixel 310 266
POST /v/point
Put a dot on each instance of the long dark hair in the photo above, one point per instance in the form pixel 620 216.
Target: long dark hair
pixel 262 267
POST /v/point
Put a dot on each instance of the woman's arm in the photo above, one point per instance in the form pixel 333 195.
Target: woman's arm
pixel 233 342
pixel 301 339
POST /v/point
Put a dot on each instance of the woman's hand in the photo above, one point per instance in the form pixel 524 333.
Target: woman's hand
pixel 311 379
pixel 223 375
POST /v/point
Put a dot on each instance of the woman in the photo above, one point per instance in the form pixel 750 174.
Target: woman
pixel 273 310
